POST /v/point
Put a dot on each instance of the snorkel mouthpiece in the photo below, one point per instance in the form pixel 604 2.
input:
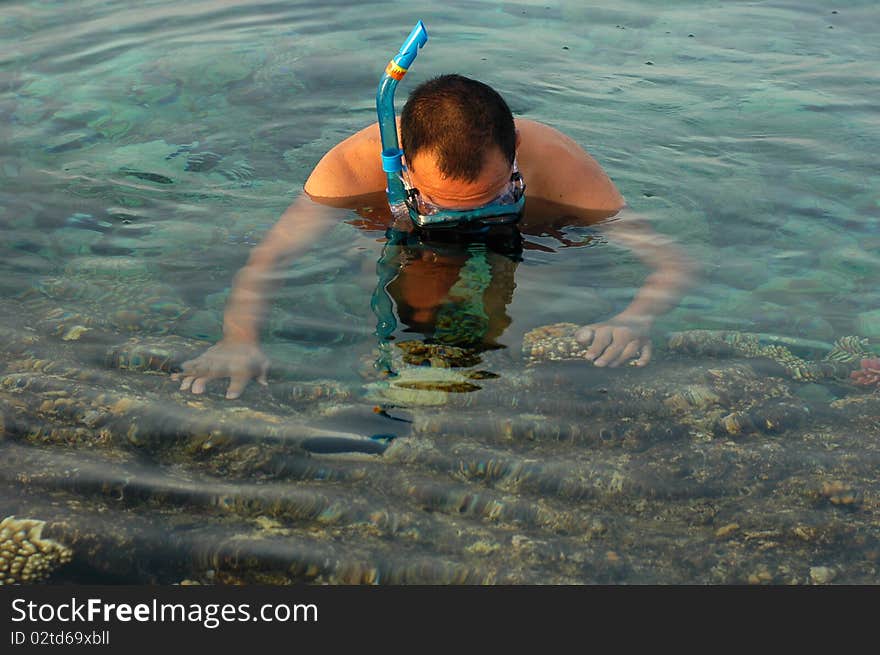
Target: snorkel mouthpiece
pixel 392 155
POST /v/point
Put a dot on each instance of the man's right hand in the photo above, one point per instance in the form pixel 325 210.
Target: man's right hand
pixel 237 360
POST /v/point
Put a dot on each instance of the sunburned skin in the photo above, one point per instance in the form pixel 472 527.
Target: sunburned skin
pixel 458 194
pixel 554 166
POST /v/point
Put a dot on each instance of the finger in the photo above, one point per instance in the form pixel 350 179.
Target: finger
pixel 187 383
pixel 584 335
pixel 193 367
pixel 179 375
pixel 201 382
pixel 236 386
pixel 601 340
pixel 646 355
pixel 264 371
pixel 609 355
pixel 630 351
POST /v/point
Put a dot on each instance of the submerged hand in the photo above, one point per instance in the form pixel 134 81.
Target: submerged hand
pixel 617 341
pixel 238 361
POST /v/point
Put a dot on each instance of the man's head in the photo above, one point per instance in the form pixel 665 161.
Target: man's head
pixel 459 140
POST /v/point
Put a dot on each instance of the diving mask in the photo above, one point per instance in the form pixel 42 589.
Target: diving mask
pixel 504 209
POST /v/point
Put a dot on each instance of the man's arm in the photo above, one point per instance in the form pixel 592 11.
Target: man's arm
pixel 238 355
pixel 303 223
pixel 351 168
pixel 626 336
pixel 577 181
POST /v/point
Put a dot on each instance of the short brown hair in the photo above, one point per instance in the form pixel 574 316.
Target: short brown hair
pixel 460 120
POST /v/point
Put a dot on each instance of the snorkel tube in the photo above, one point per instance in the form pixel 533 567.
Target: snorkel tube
pixel 388 265
pixel 392 162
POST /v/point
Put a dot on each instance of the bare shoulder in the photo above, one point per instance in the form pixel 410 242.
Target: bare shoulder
pixel 558 169
pixel 352 167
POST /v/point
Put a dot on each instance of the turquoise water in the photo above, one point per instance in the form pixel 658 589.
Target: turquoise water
pixel 146 150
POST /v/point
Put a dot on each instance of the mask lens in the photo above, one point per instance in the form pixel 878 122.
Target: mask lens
pixel 505 209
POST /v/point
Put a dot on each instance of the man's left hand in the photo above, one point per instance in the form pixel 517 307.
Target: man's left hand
pixel 617 341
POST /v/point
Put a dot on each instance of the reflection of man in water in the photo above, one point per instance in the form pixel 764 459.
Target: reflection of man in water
pixel 455 291
pixel 462 146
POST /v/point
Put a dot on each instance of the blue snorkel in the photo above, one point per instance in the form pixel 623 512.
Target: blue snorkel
pixel 387 267
pixel 404 202
pixel 392 155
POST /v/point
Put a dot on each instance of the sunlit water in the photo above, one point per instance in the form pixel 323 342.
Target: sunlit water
pixel 145 149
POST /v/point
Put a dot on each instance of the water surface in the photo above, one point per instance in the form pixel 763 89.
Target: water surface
pixel 145 150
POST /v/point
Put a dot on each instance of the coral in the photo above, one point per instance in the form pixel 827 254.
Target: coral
pixel 144 354
pixel 840 494
pixel 848 349
pixel 420 386
pixel 419 353
pixel 553 343
pixel 25 557
pixel 869 373
pixel 837 363
pixel 772 417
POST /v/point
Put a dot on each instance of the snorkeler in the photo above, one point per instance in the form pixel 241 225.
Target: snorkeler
pixel 462 150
